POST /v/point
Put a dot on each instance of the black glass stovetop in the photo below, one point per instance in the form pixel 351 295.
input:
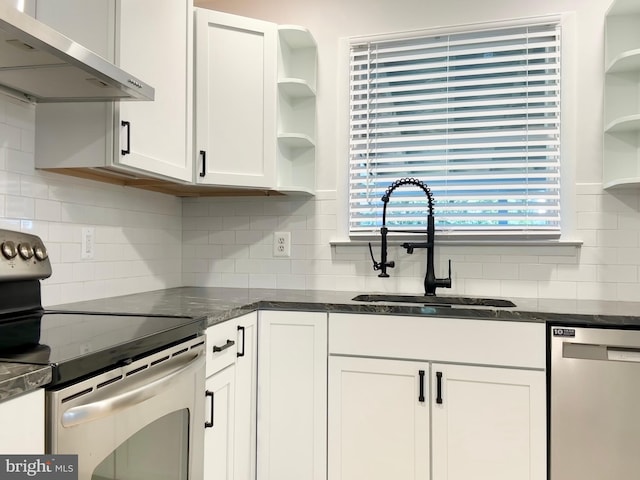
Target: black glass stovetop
pixel 80 344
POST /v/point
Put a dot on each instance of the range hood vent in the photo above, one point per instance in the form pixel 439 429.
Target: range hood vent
pixel 39 64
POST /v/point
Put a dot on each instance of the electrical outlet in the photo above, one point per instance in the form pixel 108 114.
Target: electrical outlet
pixel 88 243
pixel 282 244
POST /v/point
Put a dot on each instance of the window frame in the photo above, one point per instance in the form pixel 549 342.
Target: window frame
pixel 567 125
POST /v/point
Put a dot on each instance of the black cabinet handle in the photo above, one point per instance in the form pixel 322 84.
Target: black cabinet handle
pixel 209 424
pixel 127 125
pixel 421 396
pixel 241 329
pixel 203 154
pixel 439 388
pixel 229 344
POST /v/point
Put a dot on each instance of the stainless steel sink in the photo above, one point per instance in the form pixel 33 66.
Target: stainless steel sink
pixel 436 300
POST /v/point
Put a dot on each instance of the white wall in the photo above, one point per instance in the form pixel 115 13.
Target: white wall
pixel 227 242
pixel 138 234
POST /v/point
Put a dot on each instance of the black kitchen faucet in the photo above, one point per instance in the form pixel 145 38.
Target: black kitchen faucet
pixel 430 280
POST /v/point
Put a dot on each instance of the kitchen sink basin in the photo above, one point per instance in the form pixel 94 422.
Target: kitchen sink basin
pixel 436 300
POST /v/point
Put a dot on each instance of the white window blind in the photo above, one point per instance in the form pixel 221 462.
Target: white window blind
pixel 474 115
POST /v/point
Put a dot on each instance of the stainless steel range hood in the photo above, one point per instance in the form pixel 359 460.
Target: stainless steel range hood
pixel 40 64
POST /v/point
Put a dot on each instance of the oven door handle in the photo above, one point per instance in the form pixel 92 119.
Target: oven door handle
pixel 127 396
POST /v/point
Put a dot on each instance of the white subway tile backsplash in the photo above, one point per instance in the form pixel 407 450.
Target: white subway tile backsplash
pixel 33 187
pixel 617 238
pixel 262 280
pixel 47 210
pixel 9 183
pixel 597 221
pixel 500 271
pixel 20 207
pixel 222 237
pixel 617 273
pixel 251 237
pixel 290 282
pixel 519 288
pixel 10 136
pixel 557 289
pixel 537 272
pixel 555 271
pixel 596 291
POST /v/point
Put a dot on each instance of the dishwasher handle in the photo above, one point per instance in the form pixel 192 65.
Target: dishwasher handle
pixel 588 351
pixel 129 397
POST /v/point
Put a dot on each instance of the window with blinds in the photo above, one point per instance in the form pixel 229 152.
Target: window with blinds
pixel 474 115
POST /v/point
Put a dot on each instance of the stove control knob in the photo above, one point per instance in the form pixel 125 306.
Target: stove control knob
pixel 9 249
pixel 25 250
pixel 40 252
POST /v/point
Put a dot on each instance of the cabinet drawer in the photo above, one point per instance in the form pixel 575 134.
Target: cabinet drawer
pixel 473 341
pixel 222 346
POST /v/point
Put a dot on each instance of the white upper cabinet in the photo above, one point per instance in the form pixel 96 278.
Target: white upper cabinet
pixel 255 103
pixel 622 95
pixel 155 43
pixel 153 40
pixel 235 75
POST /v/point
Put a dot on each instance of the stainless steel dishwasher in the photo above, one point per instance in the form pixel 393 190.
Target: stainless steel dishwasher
pixel 594 403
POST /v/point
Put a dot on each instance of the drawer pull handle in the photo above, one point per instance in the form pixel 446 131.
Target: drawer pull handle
pixel 439 388
pixel 241 329
pixel 209 424
pixel 421 396
pixel 229 344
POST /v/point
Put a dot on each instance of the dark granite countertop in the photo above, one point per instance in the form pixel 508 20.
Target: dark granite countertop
pixel 220 304
pixel 19 378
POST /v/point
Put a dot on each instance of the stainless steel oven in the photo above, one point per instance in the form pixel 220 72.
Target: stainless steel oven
pixel 127 389
pixel 138 421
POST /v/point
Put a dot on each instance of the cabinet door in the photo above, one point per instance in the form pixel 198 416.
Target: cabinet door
pixel 488 423
pixel 22 420
pixel 153 40
pixel 246 397
pixel 155 44
pixel 236 91
pixel 219 432
pixel 378 419
pixel 292 396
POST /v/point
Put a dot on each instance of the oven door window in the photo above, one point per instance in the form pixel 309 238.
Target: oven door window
pixel 157 452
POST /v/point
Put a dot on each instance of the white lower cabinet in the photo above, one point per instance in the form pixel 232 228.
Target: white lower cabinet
pixel 230 428
pixel 246 397
pixel 378 422
pixel 435 418
pixel 292 396
pixel 22 420
pixel 219 426
pixel 487 423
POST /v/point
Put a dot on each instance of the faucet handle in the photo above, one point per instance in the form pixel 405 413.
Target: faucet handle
pixel 445 282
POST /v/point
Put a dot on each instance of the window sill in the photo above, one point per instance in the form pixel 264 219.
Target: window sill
pixel 360 242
